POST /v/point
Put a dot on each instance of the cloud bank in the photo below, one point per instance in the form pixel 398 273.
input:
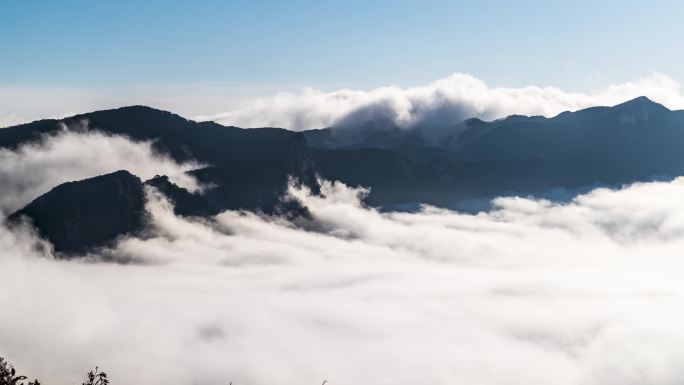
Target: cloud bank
pixel 586 292
pixel 446 101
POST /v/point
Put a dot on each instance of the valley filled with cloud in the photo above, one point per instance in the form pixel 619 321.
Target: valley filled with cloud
pixel 533 291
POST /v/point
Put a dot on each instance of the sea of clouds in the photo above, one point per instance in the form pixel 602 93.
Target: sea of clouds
pixel 590 291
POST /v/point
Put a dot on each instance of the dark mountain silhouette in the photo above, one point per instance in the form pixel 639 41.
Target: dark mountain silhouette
pixel 78 216
pixel 248 169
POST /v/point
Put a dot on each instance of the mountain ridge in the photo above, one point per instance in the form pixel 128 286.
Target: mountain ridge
pixel 249 169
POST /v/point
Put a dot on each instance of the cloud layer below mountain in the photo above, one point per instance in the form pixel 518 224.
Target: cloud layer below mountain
pixel 586 292
pixel 446 101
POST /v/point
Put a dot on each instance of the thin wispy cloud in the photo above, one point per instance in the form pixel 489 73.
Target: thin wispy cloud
pixel 35 168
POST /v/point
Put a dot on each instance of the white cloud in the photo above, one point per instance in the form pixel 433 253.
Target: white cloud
pixel 588 292
pixel 445 101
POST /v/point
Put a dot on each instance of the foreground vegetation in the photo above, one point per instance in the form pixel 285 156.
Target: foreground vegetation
pixel 9 376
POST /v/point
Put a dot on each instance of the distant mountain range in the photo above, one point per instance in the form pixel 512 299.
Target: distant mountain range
pixel 441 165
pixel 636 140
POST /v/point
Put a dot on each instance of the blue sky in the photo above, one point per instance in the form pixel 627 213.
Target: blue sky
pixel 348 43
pixel 247 46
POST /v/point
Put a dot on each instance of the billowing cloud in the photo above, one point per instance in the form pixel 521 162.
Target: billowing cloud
pixel 445 101
pixel 35 168
pixel 585 292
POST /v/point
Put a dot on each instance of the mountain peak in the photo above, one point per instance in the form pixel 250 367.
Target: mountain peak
pixel 640 102
pixel 78 216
